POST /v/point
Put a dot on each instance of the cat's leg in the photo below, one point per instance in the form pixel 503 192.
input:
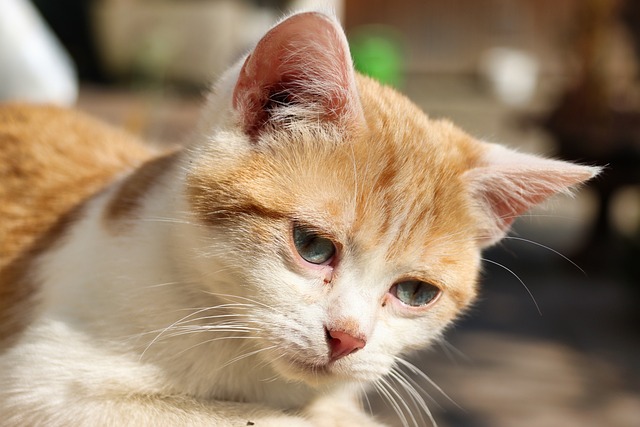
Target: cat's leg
pixel 55 378
pixel 171 411
pixel 57 402
pixel 144 410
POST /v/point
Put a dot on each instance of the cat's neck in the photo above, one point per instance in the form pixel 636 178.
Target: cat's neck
pixel 135 289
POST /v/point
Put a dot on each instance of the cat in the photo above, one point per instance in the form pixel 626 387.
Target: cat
pixel 315 229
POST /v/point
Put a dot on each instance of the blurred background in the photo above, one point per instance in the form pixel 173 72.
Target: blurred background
pixel 554 339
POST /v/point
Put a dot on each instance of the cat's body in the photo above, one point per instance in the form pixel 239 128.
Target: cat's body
pixel 318 227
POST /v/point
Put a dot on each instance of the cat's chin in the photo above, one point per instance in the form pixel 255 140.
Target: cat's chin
pixel 320 374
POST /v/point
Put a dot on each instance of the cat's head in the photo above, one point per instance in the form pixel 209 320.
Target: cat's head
pixel 347 221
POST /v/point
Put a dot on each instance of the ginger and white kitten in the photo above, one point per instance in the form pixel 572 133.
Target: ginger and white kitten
pixel 318 227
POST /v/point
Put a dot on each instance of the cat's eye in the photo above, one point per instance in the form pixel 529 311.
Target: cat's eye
pixel 415 293
pixel 313 247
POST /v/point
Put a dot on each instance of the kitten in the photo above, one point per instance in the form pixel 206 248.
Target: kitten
pixel 318 227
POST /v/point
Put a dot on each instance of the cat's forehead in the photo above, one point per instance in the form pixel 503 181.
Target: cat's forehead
pixel 395 184
pixel 403 173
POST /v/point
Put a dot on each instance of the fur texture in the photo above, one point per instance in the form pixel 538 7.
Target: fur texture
pixel 143 288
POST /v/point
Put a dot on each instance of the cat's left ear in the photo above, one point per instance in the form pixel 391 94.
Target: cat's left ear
pixel 507 183
pixel 301 69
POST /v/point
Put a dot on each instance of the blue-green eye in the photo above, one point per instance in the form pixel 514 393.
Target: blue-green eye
pixel 415 293
pixel 312 247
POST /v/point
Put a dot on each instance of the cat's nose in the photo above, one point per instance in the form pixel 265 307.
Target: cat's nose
pixel 342 344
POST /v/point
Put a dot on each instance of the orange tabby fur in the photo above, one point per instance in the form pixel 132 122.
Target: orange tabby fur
pixel 51 160
pixel 129 197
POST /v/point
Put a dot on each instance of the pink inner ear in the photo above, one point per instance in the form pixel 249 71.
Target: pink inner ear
pixel 304 61
pixel 510 193
pixel 509 183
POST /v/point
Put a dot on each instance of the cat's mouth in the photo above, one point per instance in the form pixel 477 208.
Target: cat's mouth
pixel 313 368
pixel 337 363
pixel 315 372
pixel 307 370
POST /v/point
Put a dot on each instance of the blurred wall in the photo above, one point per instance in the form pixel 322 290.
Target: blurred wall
pixel 449 36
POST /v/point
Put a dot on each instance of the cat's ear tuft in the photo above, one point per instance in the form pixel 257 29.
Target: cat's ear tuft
pixel 301 69
pixel 507 183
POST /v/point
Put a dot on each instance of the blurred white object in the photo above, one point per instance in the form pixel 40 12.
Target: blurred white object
pixel 190 41
pixel 334 6
pixel 512 73
pixel 34 67
pixel 187 41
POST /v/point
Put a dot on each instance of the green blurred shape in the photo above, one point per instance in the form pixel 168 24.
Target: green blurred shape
pixel 377 51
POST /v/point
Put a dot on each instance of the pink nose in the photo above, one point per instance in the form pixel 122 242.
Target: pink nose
pixel 342 344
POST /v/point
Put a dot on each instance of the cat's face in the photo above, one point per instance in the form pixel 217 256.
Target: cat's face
pixel 342 224
pixel 369 235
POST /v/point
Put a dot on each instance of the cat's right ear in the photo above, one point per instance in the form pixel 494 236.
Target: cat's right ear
pixel 299 72
pixel 507 183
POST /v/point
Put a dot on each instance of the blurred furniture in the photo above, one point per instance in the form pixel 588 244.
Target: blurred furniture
pixel 597 118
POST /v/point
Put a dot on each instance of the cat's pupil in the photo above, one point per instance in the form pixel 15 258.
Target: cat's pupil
pixel 416 293
pixel 312 247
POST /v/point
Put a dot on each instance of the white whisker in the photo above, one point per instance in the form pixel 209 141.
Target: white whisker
pixel 230 296
pixel 381 386
pixel 414 369
pixel 365 397
pixel 549 249
pixel 451 351
pixel 519 279
pixel 230 337
pixel 414 398
pixel 159 285
pixel 173 325
pixel 245 355
pixel 171 220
